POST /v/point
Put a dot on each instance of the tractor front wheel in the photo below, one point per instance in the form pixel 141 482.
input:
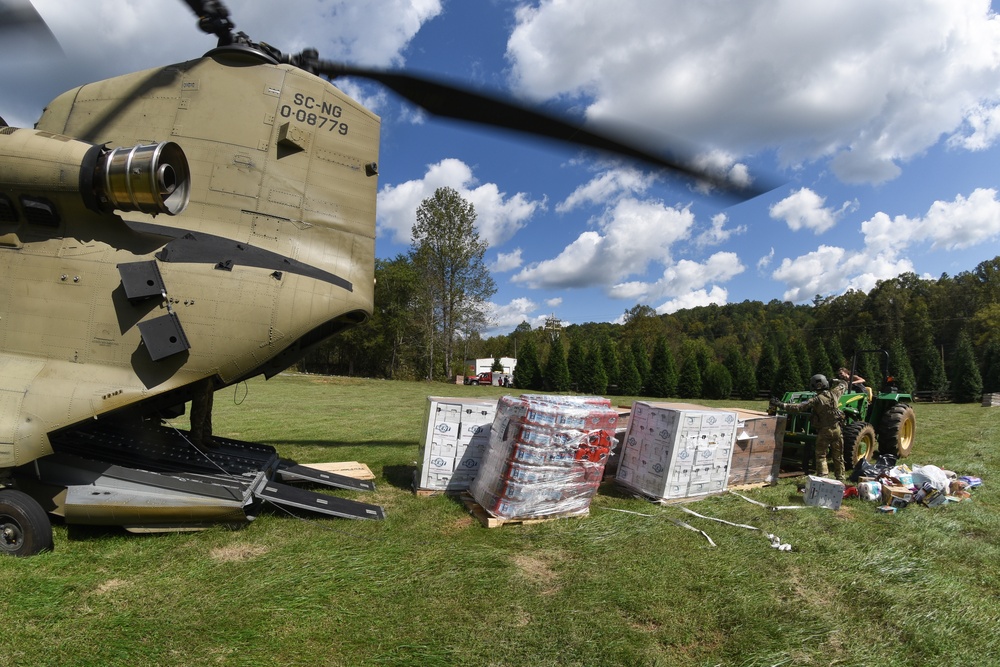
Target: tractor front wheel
pixel 859 443
pixel 898 430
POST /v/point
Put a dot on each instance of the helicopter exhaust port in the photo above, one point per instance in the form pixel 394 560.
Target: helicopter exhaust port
pixel 151 178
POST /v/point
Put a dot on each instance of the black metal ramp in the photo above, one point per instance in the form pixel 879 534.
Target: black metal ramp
pixel 289 496
pixel 290 472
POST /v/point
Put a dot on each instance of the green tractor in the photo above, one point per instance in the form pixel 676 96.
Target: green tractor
pixel 884 421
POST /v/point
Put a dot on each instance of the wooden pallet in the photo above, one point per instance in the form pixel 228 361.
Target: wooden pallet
pixel 348 468
pixel 490 521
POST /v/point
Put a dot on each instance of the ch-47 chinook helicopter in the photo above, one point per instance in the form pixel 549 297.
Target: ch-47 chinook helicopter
pixel 171 232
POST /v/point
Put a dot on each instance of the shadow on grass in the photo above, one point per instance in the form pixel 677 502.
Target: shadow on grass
pixel 341 443
pixel 400 476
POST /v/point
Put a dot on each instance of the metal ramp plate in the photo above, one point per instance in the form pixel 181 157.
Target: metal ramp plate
pixel 299 473
pixel 290 496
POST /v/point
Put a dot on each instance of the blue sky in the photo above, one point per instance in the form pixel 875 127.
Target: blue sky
pixel 878 122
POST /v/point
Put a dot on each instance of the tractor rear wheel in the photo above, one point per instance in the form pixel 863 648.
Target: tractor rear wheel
pixel 859 443
pixel 898 430
pixel 25 529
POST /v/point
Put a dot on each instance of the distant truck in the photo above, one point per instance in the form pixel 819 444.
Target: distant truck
pixel 488 378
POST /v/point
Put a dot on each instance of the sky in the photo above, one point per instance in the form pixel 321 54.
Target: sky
pixel 876 126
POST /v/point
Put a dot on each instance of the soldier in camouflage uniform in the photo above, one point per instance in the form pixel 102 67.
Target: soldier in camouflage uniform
pixel 826 418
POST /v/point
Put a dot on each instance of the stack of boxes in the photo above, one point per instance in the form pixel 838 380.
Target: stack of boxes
pixel 676 450
pixel 456 435
pixel 546 456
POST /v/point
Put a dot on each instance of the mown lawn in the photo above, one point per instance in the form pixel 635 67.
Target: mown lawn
pixel 430 586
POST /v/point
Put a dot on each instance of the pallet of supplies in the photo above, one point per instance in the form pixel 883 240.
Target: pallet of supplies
pixel 546 456
pixel 455 432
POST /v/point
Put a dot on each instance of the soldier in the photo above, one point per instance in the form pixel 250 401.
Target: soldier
pixel 826 419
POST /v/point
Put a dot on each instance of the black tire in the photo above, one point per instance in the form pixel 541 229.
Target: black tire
pixel 25 529
pixel 898 430
pixel 859 443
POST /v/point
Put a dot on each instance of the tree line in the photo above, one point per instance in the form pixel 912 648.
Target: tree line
pixel 941 336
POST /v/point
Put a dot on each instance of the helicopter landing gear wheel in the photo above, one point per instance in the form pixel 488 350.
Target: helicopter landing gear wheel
pixel 25 530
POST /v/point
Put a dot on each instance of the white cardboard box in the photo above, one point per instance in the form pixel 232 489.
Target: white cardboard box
pixel 455 434
pixel 677 450
pixel 822 492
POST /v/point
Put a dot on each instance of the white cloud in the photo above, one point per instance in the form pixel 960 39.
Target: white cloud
pixel 498 217
pixel 684 280
pixel 632 234
pixel 717 295
pixel 765 261
pixel 868 84
pixel 505 317
pixel 507 261
pixel 961 223
pixel 831 270
pixel 554 302
pixel 606 187
pixel 718 233
pixel 804 209
pixel 958 224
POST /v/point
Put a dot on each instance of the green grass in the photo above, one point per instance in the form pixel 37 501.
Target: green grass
pixel 430 586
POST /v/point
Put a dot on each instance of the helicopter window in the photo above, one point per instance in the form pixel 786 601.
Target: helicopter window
pixel 40 211
pixel 7 211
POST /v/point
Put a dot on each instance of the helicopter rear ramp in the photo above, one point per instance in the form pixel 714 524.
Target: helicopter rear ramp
pixel 151 478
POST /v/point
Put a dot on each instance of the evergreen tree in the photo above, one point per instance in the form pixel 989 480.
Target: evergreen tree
pixel 836 355
pixel 595 378
pixel 630 381
pixel 663 376
pixel 821 361
pixel 689 382
pixel 556 375
pixel 991 367
pixel 767 369
pixel 641 358
pixel 899 367
pixel 718 383
pixel 528 372
pixel 932 376
pixel 577 362
pixel 609 355
pixel 742 373
pixel 788 377
pixel 967 383
pixel 804 363
pixel 869 363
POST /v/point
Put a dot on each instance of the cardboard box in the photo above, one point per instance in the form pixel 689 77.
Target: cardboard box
pixel 822 492
pixel 757 448
pixel 456 432
pixel 676 450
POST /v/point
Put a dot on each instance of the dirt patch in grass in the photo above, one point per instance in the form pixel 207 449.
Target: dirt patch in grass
pixel 538 568
pixel 237 552
pixel 109 585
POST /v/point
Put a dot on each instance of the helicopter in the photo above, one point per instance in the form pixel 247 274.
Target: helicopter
pixel 167 233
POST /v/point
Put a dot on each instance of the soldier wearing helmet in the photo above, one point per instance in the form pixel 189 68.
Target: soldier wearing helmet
pixel 826 418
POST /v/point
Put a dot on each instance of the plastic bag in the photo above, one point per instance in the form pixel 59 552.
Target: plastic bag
pixel 932 475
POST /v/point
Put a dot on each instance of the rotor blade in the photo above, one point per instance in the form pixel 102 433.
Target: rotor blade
pixel 450 101
pixel 23 30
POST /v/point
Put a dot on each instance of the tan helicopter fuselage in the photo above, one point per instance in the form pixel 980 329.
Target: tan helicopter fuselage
pixel 274 252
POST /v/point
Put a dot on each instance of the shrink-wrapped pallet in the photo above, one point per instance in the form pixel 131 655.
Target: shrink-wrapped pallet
pixel 546 456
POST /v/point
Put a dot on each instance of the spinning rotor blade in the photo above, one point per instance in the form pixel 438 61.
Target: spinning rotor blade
pixel 23 29
pixel 450 101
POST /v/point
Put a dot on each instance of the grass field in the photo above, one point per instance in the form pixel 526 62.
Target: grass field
pixel 430 586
